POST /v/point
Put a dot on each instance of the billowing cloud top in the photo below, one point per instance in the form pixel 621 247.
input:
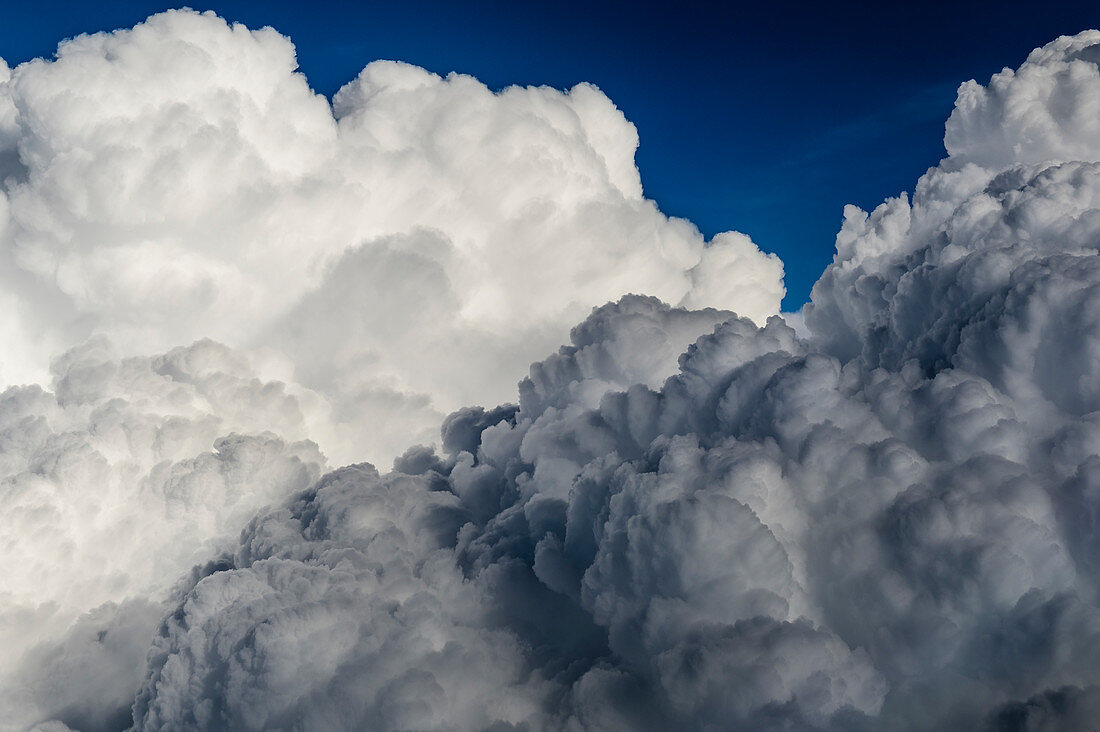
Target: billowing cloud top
pixel 413 247
pixel 884 523
pixel 372 264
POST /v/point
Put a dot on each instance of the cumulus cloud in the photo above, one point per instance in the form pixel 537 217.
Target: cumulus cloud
pixel 884 523
pixel 114 483
pixel 371 264
pixel 410 248
pixel 691 519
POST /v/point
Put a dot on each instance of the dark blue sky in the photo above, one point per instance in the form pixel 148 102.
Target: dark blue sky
pixel 765 118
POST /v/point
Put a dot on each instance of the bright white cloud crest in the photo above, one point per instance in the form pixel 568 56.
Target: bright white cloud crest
pixel 180 180
pixel 688 521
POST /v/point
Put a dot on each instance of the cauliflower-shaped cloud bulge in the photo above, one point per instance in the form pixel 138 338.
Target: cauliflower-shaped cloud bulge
pixel 372 264
pixel 114 484
pixel 886 524
pixel 410 248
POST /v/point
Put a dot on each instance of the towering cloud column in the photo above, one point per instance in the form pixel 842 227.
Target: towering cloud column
pixel 887 524
pixel 371 264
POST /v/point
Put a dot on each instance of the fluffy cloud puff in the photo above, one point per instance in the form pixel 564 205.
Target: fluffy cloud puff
pixel 130 470
pixel 887 524
pixel 374 262
pixel 410 248
pixel 113 484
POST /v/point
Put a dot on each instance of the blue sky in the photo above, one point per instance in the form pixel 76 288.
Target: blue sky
pixel 766 118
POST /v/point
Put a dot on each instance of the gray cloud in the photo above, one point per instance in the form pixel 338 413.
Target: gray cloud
pixel 883 521
pixel 370 265
pixel 884 524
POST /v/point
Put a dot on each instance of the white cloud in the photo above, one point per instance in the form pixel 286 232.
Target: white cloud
pixel 114 484
pixel 883 521
pixel 373 264
pixel 887 523
pixel 180 180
